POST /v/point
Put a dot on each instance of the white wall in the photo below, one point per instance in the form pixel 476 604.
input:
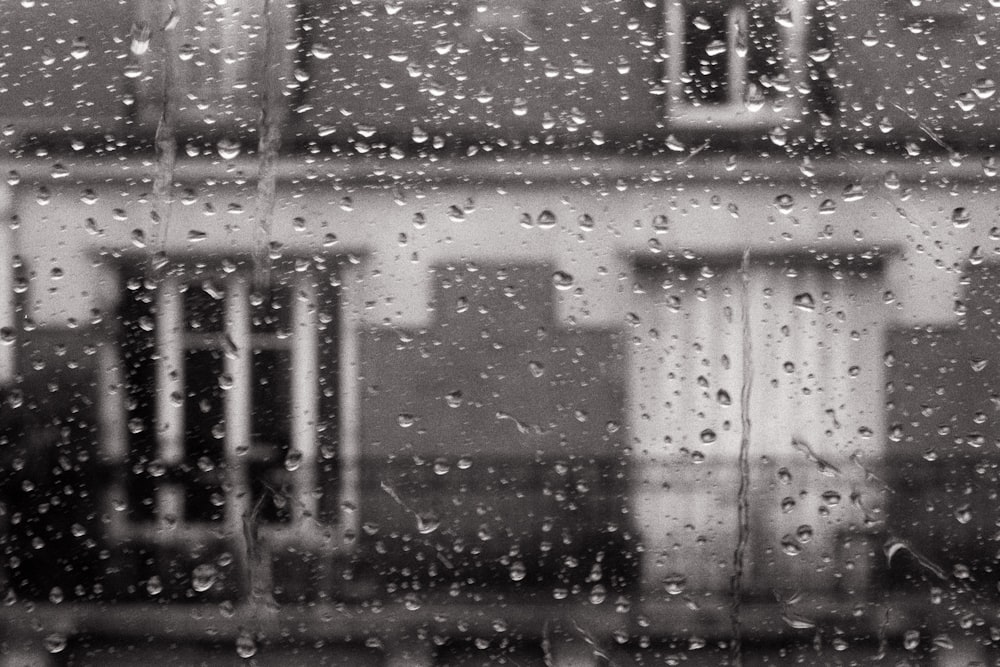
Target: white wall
pixel 704 216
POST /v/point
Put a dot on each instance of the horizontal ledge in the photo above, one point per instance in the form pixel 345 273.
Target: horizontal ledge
pixel 666 619
pixel 512 168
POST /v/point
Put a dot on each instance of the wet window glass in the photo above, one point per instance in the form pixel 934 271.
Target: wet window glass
pixel 507 332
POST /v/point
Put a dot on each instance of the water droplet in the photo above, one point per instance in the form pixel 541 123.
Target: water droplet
pixel 80 49
pixel 827 206
pixel 441 466
pixel 55 642
pixel 784 203
pixel 964 514
pixel 520 107
pixel 674 144
pixel 804 534
pixel 804 301
pixel 778 135
pixel 960 217
pixel 831 497
pixel 140 38
pixel 674 583
pixel 562 280
pixel 984 88
pixel 517 571
pixel 228 148
pixel 723 397
pixel 787 504
pixel 427 523
pixel 598 594
pixel 246 647
pixel 715 47
pixel 708 436
pixel 546 219
pixel 154 586
pixel 454 399
pixel 293 460
pixel 784 476
pixel 320 51
pixel 203 577
pixel 790 546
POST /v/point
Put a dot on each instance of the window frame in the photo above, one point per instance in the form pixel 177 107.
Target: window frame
pixel 305 529
pixel 681 114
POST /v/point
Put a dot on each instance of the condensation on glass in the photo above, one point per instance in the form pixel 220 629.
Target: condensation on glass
pixel 511 332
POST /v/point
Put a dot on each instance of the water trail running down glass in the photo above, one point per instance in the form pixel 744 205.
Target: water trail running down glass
pixel 269 143
pixel 166 154
pixel 743 495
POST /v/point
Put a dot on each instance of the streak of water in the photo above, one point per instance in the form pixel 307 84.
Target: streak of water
pixel 743 494
pixel 166 155
pixel 269 143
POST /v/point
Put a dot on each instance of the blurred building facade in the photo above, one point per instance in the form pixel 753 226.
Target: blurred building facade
pixel 429 332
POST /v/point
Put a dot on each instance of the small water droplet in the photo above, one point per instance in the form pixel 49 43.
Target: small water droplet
pixel 517 571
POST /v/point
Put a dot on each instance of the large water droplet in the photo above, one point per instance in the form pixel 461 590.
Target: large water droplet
pixel 804 301
pixel 960 217
pixel 246 647
pixel 562 280
pixel 203 577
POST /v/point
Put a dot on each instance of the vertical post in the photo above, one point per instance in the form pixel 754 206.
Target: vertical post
pixel 170 387
pixel 8 307
pixel 675 36
pixel 350 403
pixel 239 519
pixel 737 29
pixel 305 382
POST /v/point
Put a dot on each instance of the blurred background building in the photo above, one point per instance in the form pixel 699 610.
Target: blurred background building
pixel 515 332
